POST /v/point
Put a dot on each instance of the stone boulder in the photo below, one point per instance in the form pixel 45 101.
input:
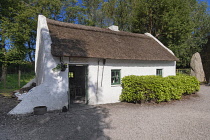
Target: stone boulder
pixel 197 67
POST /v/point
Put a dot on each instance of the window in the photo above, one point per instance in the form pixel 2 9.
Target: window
pixel 159 72
pixel 115 77
pixel 71 74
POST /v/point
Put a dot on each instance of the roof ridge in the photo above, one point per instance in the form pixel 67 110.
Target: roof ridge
pixel 161 44
pixel 95 29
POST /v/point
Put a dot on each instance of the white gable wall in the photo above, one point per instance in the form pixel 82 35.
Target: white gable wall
pixel 52 87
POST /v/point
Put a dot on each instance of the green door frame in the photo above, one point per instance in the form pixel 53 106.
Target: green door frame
pixel 86 85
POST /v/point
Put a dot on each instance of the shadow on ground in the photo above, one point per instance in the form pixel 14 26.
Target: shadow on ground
pixel 81 122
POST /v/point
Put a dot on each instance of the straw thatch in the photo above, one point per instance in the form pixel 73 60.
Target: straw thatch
pixel 73 40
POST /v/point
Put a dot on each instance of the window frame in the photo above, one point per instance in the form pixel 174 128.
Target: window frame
pixel 119 71
pixel 159 72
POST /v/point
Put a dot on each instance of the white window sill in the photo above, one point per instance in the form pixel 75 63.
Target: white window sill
pixel 118 85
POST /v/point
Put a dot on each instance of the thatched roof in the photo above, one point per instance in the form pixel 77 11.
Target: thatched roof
pixel 73 40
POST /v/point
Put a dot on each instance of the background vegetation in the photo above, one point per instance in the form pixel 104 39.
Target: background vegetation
pixel 181 25
pixel 12 82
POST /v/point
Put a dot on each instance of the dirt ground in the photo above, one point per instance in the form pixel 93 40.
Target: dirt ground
pixel 6 104
pixel 186 119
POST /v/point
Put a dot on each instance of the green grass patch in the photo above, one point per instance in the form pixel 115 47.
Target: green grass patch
pixel 12 82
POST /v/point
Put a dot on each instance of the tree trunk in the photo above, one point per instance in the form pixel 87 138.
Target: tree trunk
pixel 4 75
pixel 19 75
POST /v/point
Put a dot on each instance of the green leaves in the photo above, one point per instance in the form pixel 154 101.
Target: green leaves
pixel 156 88
pixel 180 25
pixel 18 23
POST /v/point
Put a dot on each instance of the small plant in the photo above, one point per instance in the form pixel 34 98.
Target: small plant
pixel 57 68
pixel 60 67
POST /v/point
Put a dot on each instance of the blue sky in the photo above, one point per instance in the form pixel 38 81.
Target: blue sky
pixel 208 1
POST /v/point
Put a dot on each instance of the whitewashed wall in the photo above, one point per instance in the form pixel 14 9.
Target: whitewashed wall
pixel 52 86
pixel 110 93
pixel 101 91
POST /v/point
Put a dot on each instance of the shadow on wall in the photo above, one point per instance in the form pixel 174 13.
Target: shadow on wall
pixel 54 81
pixel 80 123
pixel 96 90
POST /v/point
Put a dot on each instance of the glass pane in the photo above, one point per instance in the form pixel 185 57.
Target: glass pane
pixel 71 74
pixel 113 73
pixel 115 76
pixel 117 80
pixel 159 72
pixel 113 80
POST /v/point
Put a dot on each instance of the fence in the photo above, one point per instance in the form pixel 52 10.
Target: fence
pixel 14 68
pixel 17 76
pixel 183 71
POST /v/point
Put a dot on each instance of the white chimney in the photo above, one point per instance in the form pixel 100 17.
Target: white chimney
pixel 113 28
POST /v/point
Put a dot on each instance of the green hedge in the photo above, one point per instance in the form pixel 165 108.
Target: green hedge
pixel 156 88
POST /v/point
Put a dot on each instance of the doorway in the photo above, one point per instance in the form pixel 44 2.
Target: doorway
pixel 77 84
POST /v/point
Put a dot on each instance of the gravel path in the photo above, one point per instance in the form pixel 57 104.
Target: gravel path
pixel 187 119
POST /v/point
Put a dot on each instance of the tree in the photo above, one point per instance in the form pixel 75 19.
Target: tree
pixel 71 12
pixel 18 22
pixel 7 14
pixel 120 13
pixel 92 12
pixel 178 24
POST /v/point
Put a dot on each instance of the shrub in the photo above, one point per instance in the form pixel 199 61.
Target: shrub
pixel 156 88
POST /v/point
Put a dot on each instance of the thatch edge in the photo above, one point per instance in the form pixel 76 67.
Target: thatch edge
pixel 96 29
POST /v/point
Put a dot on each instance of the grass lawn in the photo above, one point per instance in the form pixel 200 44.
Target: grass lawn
pixel 12 82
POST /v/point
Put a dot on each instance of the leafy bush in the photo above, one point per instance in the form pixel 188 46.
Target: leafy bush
pixel 156 88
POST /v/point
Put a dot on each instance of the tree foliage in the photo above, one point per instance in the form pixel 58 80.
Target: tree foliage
pixel 120 12
pixel 72 12
pixel 180 25
pixel 18 22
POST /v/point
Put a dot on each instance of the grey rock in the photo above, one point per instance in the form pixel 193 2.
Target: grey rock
pixel 197 67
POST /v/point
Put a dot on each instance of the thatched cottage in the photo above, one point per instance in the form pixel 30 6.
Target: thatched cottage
pixel 95 59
